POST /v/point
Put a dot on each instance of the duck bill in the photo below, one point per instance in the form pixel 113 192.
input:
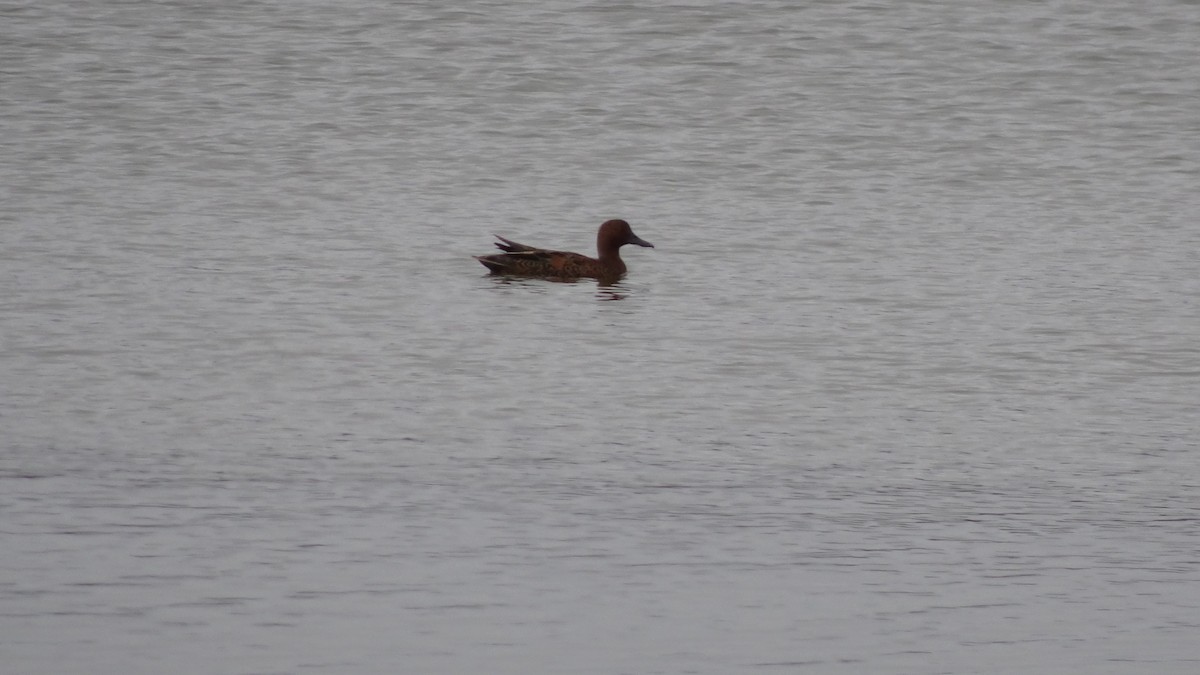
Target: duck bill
pixel 634 239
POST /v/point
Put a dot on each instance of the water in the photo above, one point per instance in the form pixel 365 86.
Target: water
pixel 907 386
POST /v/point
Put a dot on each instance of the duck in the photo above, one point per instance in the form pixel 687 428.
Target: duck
pixel 519 259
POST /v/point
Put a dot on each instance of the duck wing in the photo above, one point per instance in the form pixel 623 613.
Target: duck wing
pixel 539 262
pixel 513 247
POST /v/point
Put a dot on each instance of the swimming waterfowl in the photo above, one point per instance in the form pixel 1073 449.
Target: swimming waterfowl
pixel 538 262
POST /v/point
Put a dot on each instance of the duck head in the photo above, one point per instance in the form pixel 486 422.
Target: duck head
pixel 614 234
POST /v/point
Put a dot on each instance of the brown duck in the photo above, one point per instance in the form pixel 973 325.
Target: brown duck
pixel 538 262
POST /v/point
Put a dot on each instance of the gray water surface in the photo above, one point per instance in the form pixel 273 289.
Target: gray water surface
pixel 909 384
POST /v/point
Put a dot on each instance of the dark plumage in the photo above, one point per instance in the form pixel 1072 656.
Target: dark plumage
pixel 538 262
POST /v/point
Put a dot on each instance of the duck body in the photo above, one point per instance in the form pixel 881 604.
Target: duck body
pixel 522 260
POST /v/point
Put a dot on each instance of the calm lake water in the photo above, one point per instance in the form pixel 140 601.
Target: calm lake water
pixel 909 384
